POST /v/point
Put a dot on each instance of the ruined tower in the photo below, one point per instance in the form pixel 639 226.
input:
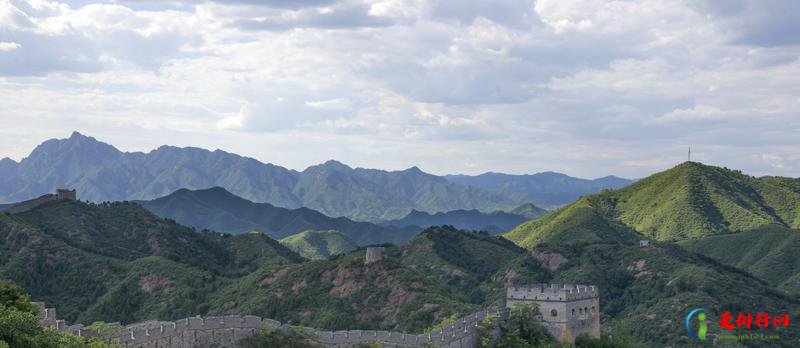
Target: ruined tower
pixel 567 310
pixel 66 194
pixel 373 254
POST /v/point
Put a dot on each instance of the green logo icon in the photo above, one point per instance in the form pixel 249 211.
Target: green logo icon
pixel 701 318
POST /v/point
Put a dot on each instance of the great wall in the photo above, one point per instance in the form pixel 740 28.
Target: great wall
pixel 567 311
pixel 226 331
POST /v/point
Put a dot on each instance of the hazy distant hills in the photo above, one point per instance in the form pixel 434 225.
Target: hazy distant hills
pixel 494 222
pixel 548 190
pixel 100 172
pixel 219 210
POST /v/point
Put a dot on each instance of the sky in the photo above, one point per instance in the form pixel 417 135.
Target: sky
pixel 588 88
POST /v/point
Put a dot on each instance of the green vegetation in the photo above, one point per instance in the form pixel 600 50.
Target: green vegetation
pixel 344 293
pixel 736 219
pixel 528 210
pixel 689 201
pixel 768 252
pixel 319 244
pixel 118 261
pixel 474 265
pixel 519 330
pixel 19 324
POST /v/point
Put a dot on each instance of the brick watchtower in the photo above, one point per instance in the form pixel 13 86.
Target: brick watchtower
pixel 66 194
pixel 567 310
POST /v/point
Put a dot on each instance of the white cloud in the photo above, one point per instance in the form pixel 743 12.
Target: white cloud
pixel 588 87
pixel 9 46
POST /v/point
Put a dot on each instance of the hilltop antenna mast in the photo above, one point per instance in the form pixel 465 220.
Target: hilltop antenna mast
pixel 689 156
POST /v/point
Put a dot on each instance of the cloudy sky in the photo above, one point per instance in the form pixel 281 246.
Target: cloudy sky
pixel 589 88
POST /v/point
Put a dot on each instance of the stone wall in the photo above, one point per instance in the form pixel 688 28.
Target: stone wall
pixel 33 203
pixel 226 331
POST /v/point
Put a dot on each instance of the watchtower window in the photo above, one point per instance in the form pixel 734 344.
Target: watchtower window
pixel 554 313
pixel 585 310
pixel 573 312
pixel 580 310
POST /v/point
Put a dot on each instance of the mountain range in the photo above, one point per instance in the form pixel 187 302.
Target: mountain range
pixel 219 210
pixel 548 190
pixel 100 172
pixel 119 262
pixel 494 222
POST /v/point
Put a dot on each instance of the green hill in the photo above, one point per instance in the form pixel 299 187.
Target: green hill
pixel 736 219
pixel 119 262
pixel 219 210
pixel 475 265
pixel 97 260
pixel 769 253
pixel 342 292
pixel 528 210
pixel 319 244
pixel 689 201
pixel 648 292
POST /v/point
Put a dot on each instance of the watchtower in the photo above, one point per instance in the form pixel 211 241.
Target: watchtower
pixel 66 194
pixel 373 254
pixel 567 310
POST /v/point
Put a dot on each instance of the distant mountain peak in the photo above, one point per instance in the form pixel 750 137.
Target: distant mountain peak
pixel 335 165
pixel 414 169
pixel 77 135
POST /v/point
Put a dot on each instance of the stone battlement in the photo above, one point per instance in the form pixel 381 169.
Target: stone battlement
pixel 226 331
pixel 567 310
pixel 552 292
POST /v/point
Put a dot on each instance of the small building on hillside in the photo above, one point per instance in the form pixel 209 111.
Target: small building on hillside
pixel 50 197
pixel 66 194
pixel 644 243
pixel 373 254
pixel 567 310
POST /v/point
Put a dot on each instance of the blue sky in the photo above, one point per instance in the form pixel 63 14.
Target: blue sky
pixel 589 88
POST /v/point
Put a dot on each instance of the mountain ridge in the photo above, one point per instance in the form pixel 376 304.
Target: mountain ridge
pixel 545 189
pixel 219 210
pixel 495 222
pixel 100 172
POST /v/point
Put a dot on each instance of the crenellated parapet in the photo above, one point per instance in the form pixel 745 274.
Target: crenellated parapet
pixel 567 310
pixel 552 292
pixel 226 331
